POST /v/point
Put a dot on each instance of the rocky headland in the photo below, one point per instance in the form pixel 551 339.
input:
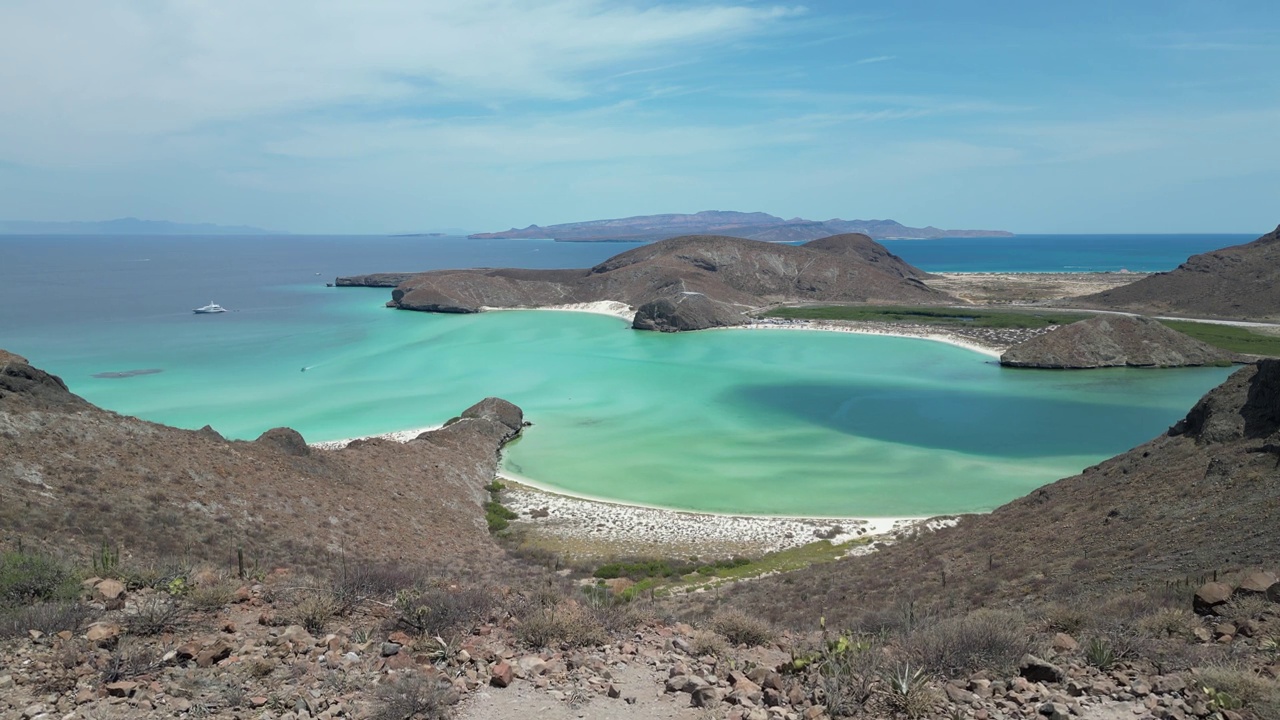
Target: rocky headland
pixel 1112 341
pixel 1241 282
pixel 78 476
pixel 685 283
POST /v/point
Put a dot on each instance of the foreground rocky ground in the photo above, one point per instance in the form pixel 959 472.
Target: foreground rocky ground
pixel 287 647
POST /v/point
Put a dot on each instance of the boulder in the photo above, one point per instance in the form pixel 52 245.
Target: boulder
pixel 501 675
pixel 109 591
pixel 1210 597
pixel 1256 583
pixel 1036 670
pixel 1273 593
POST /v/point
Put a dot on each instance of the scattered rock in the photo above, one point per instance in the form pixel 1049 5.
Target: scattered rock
pixel 1037 670
pixel 1210 597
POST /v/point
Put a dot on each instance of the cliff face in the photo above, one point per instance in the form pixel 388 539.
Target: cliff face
pixel 688 283
pixel 72 475
pixel 1202 497
pixel 1112 341
pixel 1239 282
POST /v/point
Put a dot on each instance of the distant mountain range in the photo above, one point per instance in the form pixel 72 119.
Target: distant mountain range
pixel 753 225
pixel 125 226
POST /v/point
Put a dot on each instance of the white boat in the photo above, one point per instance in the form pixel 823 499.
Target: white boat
pixel 210 308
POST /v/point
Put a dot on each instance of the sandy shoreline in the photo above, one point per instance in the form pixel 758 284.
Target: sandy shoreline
pixel 600 527
pixel 618 528
pixel 623 311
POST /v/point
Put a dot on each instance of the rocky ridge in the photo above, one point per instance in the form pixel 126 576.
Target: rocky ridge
pixel 84 476
pixel 1112 341
pixel 686 283
pixel 1240 282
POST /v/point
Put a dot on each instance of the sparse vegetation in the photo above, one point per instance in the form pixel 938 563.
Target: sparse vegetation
pixel 740 628
pixel 954 647
pixel 562 624
pixel 977 317
pixel 412 696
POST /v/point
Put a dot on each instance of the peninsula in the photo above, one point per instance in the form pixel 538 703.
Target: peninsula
pixel 751 225
pixel 686 283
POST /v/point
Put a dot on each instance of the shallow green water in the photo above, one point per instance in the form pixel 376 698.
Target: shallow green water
pixel 732 421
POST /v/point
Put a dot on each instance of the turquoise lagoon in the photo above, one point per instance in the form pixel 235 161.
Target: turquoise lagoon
pixel 735 421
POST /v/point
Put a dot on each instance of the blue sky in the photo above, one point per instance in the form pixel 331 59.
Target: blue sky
pixel 396 115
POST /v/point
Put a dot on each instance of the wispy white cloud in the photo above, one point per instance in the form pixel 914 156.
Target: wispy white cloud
pixel 876 59
pixel 89 69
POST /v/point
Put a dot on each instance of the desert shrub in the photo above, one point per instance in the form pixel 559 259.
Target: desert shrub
pixel 313 610
pixel 740 628
pixel 412 696
pixel 1169 623
pixel 374 580
pixel 1231 688
pixel 48 618
pixel 443 612
pixel 985 639
pixel 209 595
pixel 155 615
pixel 906 690
pixel 129 660
pixel 708 643
pixel 27 578
pixel 1069 619
pixel 567 623
pixel 1246 607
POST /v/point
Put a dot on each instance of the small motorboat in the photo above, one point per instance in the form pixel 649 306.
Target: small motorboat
pixel 209 309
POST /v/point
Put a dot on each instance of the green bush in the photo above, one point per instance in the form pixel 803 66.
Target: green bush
pixel 27 578
pixel 498 516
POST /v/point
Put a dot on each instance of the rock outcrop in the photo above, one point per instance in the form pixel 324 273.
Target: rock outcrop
pixel 1112 341
pixel 1241 282
pixel 686 283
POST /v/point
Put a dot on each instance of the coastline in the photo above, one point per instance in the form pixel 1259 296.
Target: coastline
pixel 622 311
pixel 592 528
pixel 583 526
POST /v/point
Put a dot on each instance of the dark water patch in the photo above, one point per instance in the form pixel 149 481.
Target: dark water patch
pixel 128 373
pixel 962 421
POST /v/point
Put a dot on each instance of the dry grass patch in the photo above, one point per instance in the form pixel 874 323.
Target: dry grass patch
pixel 739 628
pixel 564 624
pixel 985 639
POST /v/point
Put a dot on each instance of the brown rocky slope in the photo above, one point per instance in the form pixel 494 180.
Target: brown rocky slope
pixel 685 283
pixel 1241 282
pixel 1201 498
pixel 1112 341
pixel 74 476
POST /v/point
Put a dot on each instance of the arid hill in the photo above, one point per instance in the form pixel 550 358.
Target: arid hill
pixel 75 476
pixel 1201 498
pixel 1241 282
pixel 686 283
pixel 1112 341
pixel 753 225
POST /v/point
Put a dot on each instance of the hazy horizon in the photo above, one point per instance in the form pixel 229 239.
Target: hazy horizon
pixel 394 116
